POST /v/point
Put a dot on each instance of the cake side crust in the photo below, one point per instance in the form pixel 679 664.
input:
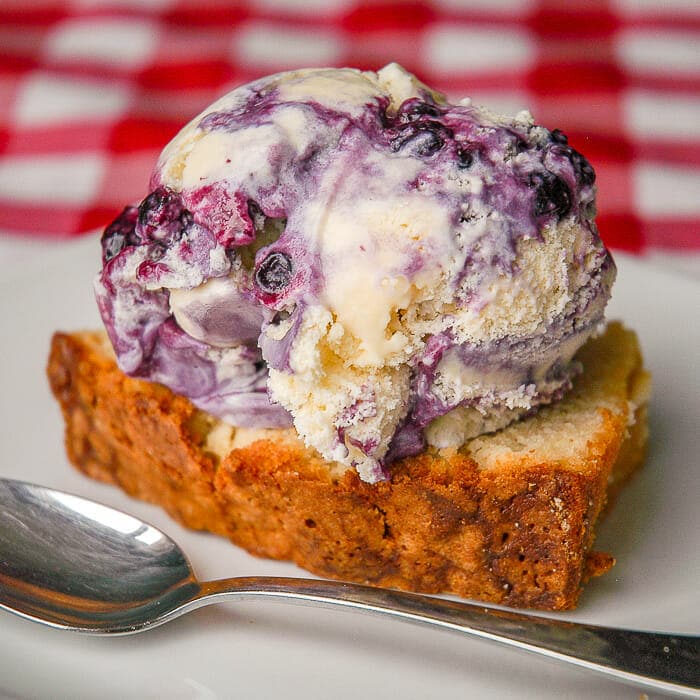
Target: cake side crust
pixel 503 519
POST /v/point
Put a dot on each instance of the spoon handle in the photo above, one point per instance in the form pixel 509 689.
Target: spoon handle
pixel 662 662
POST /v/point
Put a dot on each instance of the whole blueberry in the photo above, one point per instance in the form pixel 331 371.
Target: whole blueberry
pixel 584 170
pixel 464 158
pixel 559 137
pixel 425 143
pixel 552 195
pixel 162 216
pixel 119 234
pixel 421 139
pixel 415 108
pixel 274 273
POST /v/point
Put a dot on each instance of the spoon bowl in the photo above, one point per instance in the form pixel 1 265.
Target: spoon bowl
pixel 78 565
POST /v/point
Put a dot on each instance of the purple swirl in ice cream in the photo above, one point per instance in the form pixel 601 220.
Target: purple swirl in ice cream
pixel 348 252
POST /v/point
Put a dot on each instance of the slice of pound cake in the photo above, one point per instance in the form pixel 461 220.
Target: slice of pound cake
pixel 508 517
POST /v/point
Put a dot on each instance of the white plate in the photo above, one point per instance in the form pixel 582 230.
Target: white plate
pixel 276 650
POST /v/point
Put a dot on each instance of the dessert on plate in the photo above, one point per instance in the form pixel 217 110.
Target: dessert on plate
pixel 359 327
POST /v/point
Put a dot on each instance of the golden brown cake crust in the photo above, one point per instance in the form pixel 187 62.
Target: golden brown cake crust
pixel 500 519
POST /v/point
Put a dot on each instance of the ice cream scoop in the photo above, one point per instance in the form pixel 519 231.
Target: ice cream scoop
pixel 350 252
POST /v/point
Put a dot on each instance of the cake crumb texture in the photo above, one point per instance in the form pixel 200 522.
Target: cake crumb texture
pixel 507 518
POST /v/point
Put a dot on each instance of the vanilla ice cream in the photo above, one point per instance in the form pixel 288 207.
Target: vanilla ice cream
pixel 348 252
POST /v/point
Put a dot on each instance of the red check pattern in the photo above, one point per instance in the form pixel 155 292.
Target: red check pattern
pixel 91 90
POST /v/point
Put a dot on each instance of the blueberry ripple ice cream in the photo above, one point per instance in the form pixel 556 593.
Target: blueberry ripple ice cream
pixel 349 253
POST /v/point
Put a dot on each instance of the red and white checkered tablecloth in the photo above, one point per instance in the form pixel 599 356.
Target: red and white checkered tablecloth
pixel 91 90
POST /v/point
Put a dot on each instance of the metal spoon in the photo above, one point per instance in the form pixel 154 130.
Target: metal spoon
pixel 74 564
